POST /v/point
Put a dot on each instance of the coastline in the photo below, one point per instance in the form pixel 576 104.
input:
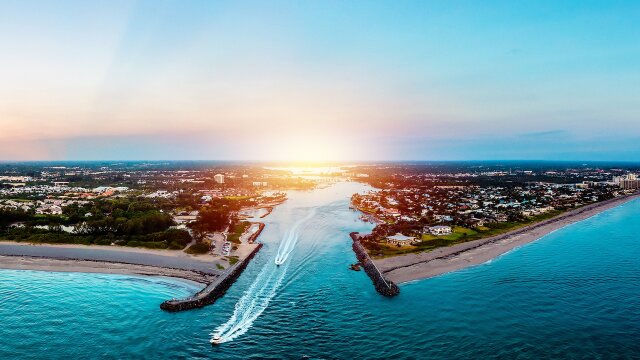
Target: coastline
pixel 198 269
pixel 101 267
pixel 107 259
pixel 383 285
pixel 405 268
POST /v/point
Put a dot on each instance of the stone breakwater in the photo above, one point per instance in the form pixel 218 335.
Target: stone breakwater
pixel 213 291
pixel 255 235
pixel 383 286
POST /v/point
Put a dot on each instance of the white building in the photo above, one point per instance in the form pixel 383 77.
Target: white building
pixel 401 240
pixel 627 182
pixel 206 198
pixel 440 230
pixel 219 178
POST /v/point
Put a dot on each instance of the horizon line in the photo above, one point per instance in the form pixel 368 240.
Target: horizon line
pixel 296 162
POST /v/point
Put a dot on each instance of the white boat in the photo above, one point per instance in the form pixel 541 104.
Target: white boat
pixel 216 340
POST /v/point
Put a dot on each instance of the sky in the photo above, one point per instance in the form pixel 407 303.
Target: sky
pixel 319 80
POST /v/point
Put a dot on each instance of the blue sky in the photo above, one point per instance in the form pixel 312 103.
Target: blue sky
pixel 320 80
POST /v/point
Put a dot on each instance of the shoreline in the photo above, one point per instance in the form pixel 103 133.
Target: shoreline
pixel 32 263
pixel 410 267
pixel 107 260
pixel 195 269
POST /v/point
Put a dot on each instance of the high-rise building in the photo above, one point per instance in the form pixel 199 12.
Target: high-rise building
pixel 219 178
pixel 627 182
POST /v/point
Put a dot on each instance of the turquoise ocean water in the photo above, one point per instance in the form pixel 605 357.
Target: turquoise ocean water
pixel 573 294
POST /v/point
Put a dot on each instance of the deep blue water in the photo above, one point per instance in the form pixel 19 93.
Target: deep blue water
pixel 573 294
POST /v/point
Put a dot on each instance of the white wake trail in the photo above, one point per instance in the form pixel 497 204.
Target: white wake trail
pixel 256 299
pixel 251 305
pixel 290 241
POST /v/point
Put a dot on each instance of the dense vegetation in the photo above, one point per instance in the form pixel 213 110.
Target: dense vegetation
pixel 130 222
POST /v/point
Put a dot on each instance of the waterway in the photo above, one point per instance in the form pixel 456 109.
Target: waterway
pixel 575 293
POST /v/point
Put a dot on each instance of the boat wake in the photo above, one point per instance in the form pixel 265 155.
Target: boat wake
pixel 256 299
pixel 289 242
pixel 251 305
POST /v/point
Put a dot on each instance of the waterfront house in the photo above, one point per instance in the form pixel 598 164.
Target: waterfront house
pixel 440 230
pixel 401 240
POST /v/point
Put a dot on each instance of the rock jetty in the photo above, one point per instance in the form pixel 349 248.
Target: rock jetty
pixel 213 291
pixel 383 286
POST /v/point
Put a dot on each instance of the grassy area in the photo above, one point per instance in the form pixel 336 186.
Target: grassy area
pixel 239 229
pixel 198 248
pixel 233 259
pixel 459 235
pixel 220 267
pixel 501 228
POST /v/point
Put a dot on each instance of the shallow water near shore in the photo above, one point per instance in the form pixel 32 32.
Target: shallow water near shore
pixel 574 293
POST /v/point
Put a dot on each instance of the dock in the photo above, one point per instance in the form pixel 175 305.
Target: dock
pixel 214 290
pixel 383 285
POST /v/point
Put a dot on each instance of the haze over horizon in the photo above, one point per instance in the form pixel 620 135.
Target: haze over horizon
pixel 319 81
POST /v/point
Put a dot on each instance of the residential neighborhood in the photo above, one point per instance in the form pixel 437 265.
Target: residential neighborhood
pixel 431 209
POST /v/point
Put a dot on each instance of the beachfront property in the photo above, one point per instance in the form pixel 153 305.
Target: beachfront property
pixel 438 230
pixel 401 240
pixel 473 202
pixel 627 182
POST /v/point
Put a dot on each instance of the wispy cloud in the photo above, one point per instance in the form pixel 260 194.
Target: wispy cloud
pixel 549 133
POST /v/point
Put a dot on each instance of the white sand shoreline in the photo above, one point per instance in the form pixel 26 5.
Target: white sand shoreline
pixel 11 262
pixel 108 259
pixel 411 267
pixel 201 269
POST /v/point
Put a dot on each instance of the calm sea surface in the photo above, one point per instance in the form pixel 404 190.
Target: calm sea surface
pixel 573 294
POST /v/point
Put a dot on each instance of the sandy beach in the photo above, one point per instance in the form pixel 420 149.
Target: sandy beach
pixel 108 259
pixel 410 267
pixel 87 266
pixel 118 260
